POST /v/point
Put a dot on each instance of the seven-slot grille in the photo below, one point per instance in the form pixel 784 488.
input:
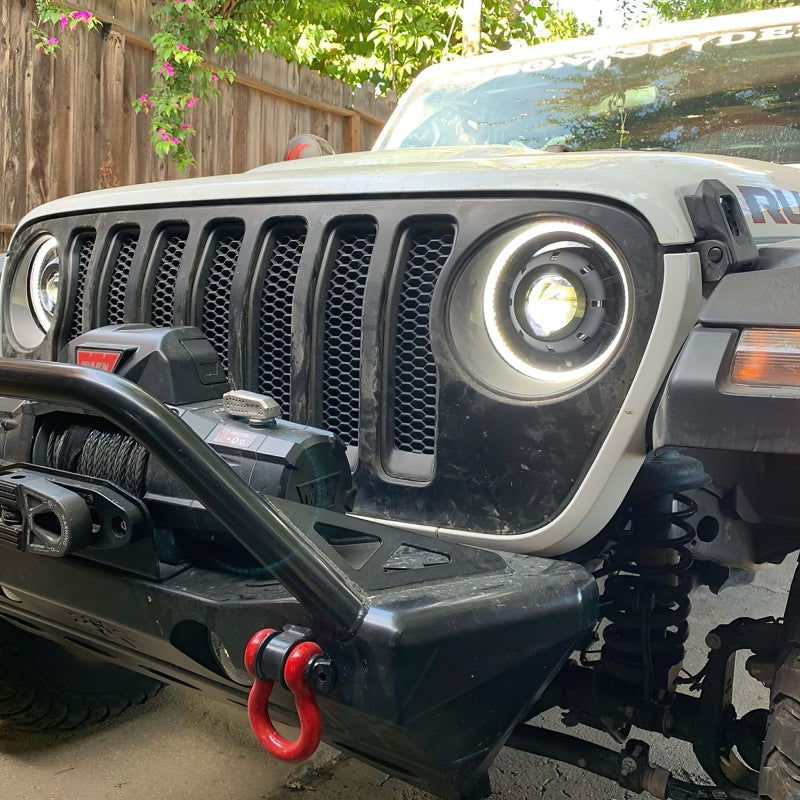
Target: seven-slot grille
pixel 282 301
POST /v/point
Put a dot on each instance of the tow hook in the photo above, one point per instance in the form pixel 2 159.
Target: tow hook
pixel 300 665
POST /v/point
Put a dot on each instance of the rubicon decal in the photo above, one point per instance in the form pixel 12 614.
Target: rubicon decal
pixel 780 205
pixel 105 360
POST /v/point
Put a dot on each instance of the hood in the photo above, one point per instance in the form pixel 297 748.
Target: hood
pixel 653 183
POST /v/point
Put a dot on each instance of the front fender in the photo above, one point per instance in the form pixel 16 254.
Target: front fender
pixel 701 406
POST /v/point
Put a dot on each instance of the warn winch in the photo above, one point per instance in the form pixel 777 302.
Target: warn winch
pixel 68 496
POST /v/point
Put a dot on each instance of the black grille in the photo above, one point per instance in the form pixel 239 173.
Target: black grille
pixel 341 361
pixel 85 249
pixel 216 314
pixel 281 295
pixel 163 302
pixel 275 315
pixel 414 367
pixel 119 277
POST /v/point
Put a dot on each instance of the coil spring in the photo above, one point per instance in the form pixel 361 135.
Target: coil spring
pixel 647 597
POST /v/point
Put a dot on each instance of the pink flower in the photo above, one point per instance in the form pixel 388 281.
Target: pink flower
pixel 212 23
pixel 214 77
pixel 163 134
pixel 182 47
pixel 47 45
pixel 82 15
pixel 175 140
pixel 186 127
pixel 191 102
pixel 143 97
pixel 168 68
pixel 64 21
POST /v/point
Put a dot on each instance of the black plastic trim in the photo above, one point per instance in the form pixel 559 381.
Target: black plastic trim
pixel 702 408
pixel 765 298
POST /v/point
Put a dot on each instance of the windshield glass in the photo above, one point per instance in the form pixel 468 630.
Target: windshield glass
pixel 733 93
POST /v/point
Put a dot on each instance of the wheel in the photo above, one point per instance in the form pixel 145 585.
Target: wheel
pixel 44 686
pixel 779 778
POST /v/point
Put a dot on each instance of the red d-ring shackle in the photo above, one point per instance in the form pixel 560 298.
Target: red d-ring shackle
pixel 305 701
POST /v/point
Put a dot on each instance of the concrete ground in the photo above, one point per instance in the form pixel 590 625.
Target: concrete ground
pixel 184 747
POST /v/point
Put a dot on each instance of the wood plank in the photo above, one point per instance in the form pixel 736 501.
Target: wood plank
pixel 112 81
pixel 40 139
pixel 6 184
pixel 18 100
pixel 128 119
pixel 62 163
pixel 353 135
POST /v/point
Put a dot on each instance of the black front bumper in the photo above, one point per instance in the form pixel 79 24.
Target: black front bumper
pixel 440 648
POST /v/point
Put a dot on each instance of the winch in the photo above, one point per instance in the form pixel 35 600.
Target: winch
pixel 83 477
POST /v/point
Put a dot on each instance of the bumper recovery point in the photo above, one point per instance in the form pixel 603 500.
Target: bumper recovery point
pixel 296 659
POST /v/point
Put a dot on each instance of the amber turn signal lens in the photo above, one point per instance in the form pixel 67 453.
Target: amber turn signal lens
pixel 768 357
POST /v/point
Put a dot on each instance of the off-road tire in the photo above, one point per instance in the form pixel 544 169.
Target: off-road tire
pixel 779 778
pixel 44 686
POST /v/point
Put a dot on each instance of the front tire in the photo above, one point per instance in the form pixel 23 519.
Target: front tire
pixel 779 778
pixel 44 686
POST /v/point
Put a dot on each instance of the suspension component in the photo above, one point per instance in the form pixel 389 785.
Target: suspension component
pixel 647 594
pixel 286 656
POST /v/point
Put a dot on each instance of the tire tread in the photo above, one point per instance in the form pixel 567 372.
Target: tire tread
pixel 33 696
pixel 779 778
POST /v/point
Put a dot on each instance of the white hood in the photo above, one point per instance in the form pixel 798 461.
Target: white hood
pixel 653 183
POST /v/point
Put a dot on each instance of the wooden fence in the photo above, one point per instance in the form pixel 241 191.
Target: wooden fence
pixel 68 124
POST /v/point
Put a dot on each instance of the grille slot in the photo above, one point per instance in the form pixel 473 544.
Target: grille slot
pixel 163 302
pixel 85 250
pixel 216 308
pixel 415 383
pixel 341 346
pixel 275 314
pixel 125 250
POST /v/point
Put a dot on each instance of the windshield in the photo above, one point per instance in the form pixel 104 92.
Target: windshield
pixel 733 93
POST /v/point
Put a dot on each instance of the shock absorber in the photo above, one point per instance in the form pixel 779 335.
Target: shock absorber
pixel 646 596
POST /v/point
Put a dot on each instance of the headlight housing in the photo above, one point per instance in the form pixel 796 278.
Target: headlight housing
pixel 554 298
pixel 43 280
pixel 34 290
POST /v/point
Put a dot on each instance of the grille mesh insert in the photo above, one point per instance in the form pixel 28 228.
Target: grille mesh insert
pixel 163 303
pixel 216 312
pixel 119 277
pixel 85 250
pixel 275 315
pixel 341 361
pixel 414 367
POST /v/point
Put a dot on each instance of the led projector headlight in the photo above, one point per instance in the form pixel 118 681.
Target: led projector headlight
pixel 43 279
pixel 557 301
pixel 31 292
